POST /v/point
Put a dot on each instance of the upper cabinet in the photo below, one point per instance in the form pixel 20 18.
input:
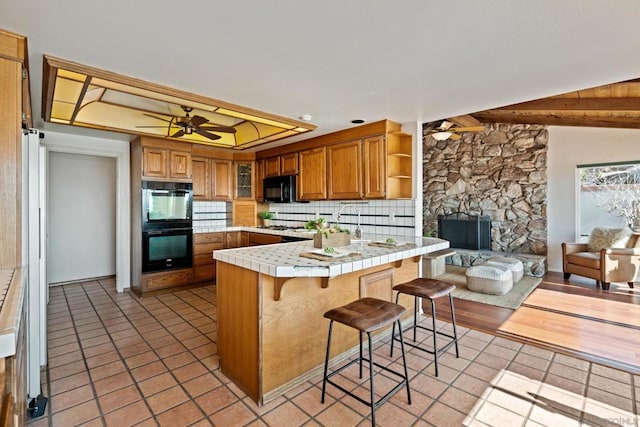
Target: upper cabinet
pixel 312 180
pixel 344 171
pixel 201 170
pixel 399 166
pixel 221 187
pixel 259 174
pixel 289 164
pixel 163 160
pixel 285 164
pixel 374 167
pixel 244 182
pixel 372 161
pixel 272 166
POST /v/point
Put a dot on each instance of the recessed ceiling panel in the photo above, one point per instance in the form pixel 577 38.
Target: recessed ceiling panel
pixel 124 104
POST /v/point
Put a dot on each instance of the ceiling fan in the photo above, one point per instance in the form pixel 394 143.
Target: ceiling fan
pixel 446 130
pixel 187 125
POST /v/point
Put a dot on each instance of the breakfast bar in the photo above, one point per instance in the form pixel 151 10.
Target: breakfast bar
pixel 271 301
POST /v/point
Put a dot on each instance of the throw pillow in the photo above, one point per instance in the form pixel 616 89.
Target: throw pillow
pixel 602 237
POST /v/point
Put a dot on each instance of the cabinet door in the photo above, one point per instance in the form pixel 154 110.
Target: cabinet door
pixel 221 171
pixel 312 180
pixel 244 239
pixel 245 213
pixel 344 178
pixel 232 239
pixel 256 239
pixel 259 178
pixel 201 170
pixel 272 166
pixel 244 182
pixel 374 167
pixel 289 164
pixel 154 162
pixel 180 165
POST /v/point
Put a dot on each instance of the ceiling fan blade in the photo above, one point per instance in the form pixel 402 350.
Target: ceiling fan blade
pixel 206 134
pixel 455 136
pixel 469 129
pixel 445 125
pixel 156 117
pixel 226 129
pixel 196 121
pixel 178 134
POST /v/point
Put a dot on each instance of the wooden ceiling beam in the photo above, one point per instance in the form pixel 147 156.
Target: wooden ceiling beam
pixel 551 120
pixel 465 121
pixel 574 104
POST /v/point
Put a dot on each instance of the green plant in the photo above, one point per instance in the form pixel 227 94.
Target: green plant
pixel 326 232
pixel 315 224
pixel 265 215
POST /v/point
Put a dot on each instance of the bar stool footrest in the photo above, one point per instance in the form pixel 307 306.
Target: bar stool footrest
pixel 380 401
pixel 438 351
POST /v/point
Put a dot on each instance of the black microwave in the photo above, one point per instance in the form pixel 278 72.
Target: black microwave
pixel 279 189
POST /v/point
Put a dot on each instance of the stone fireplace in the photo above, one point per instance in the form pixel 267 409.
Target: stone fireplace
pixel 499 173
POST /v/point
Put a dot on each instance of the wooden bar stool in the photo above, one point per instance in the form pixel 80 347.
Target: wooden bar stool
pixel 367 315
pixel 430 289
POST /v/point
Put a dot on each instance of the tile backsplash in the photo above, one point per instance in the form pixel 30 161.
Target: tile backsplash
pixel 393 217
pixel 211 214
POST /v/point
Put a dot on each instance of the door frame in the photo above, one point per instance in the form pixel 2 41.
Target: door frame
pixel 75 144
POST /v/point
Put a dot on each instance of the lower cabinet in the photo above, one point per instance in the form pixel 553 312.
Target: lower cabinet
pixel 256 239
pixel 166 279
pixel 204 266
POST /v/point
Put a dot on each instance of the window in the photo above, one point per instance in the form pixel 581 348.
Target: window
pixel 609 196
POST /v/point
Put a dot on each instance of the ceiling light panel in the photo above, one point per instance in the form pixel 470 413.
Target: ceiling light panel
pixel 120 103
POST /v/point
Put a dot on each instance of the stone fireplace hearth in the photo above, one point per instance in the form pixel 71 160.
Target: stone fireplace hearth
pixel 499 173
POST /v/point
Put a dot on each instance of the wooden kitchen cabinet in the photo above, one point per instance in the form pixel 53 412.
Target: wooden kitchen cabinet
pixel 272 166
pixel 201 172
pixel 374 167
pixel 244 179
pixel 245 213
pixel 399 166
pixel 289 164
pixel 222 173
pixel 285 164
pixel 204 266
pixel 256 239
pixel 312 179
pixel 15 109
pixel 233 239
pixel 259 165
pixel 344 166
pixel 161 163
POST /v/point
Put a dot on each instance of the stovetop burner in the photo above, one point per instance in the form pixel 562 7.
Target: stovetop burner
pixel 278 227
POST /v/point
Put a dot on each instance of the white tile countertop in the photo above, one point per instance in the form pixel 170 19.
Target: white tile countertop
pixel 12 297
pixel 298 232
pixel 283 260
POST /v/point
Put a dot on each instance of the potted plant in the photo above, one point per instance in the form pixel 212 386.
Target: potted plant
pixel 331 237
pixel 266 217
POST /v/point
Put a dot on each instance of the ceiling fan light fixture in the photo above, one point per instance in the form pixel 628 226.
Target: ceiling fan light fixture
pixel 441 136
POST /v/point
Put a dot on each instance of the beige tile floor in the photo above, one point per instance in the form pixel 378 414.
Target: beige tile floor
pixel 118 360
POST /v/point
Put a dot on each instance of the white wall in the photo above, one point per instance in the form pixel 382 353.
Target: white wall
pixel 104 144
pixel 82 217
pixel 569 147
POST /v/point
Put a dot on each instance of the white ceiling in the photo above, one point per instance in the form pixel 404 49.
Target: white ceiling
pixel 338 60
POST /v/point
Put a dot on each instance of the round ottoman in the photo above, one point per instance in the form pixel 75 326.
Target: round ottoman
pixel 515 265
pixel 489 279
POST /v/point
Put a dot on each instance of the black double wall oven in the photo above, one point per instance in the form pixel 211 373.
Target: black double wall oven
pixel 167 233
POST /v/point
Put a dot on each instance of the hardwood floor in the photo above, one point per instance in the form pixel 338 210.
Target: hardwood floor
pixel 572 316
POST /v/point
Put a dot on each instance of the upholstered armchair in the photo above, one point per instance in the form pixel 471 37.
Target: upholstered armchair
pixel 614 258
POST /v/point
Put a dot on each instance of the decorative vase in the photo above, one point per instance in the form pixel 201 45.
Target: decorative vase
pixel 266 222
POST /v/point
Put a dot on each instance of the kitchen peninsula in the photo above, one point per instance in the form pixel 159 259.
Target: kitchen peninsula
pixel 271 301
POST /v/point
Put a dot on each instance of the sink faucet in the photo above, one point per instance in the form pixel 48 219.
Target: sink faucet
pixel 358 232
